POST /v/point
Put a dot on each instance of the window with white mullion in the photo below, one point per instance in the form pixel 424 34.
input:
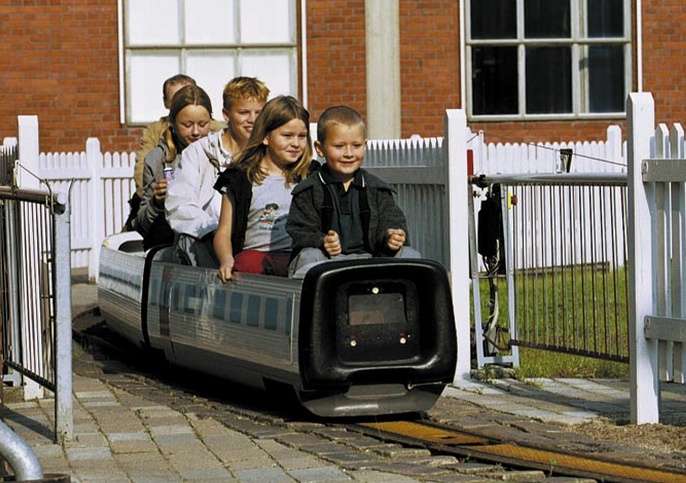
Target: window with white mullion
pixel 554 58
pixel 209 39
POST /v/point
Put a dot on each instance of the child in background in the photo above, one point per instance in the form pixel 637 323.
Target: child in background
pixel 343 211
pixel 189 119
pixel 256 192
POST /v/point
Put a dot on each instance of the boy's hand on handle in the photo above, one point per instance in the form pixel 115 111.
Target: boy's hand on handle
pixel 332 244
pixel 395 238
pixel 159 191
pixel 225 270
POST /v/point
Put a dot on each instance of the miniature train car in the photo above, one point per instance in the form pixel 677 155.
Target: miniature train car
pixel 364 337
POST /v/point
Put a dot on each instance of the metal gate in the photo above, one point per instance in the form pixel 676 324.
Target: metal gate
pixel 564 262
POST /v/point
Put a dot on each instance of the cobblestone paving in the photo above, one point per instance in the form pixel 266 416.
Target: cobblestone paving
pixel 137 419
pixel 184 428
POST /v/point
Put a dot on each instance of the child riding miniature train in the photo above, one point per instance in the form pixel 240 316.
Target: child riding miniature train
pixel 250 199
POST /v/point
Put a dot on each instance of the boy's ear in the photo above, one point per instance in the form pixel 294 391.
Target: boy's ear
pixel 226 115
pixel 318 148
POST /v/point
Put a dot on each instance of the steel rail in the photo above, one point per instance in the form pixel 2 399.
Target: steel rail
pixel 445 440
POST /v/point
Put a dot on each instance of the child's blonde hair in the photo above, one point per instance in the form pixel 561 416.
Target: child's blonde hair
pixel 276 113
pixel 344 115
pixel 244 88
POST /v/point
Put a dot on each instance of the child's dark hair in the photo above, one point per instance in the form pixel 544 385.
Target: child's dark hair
pixel 174 80
pixel 337 115
pixel 190 95
pixel 276 113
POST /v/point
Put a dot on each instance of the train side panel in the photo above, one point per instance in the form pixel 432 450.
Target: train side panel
pixel 245 330
pixel 120 288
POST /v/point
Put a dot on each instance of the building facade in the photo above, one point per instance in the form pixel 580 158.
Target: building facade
pixel 523 69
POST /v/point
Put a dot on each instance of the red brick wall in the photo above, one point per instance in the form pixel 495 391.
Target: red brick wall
pixel 58 59
pixel 336 62
pixel 429 64
pixel 664 57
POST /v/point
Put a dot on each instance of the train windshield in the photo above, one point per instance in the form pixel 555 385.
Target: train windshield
pixel 371 309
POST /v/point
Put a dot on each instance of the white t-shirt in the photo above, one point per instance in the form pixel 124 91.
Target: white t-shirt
pixel 266 229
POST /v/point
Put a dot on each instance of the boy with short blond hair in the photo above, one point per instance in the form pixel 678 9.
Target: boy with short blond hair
pixel 342 211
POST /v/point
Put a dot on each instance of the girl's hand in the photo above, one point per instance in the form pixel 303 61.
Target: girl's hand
pixel 395 238
pixel 159 189
pixel 225 270
pixel 332 244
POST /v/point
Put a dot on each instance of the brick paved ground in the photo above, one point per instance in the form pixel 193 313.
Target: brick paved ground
pixel 137 419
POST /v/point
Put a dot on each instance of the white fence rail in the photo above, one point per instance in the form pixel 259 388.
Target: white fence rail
pixel 99 187
pixel 657 256
pixel 102 183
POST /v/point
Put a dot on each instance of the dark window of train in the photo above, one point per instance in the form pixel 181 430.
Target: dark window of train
pixel 289 315
pixel 191 299
pixel 219 304
pixel 236 308
pixel 253 319
pixel 152 290
pixel 271 314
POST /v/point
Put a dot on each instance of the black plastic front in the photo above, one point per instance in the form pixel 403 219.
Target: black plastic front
pixel 376 321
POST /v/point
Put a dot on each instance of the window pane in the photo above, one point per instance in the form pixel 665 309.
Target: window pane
pixel 212 70
pixel 544 19
pixel 606 78
pixel 548 80
pixel 493 19
pixel 152 23
pixel 275 68
pixel 210 22
pixel 494 80
pixel 267 21
pixel 146 73
pixel 605 18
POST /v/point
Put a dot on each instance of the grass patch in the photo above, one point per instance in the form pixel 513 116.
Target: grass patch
pixel 581 308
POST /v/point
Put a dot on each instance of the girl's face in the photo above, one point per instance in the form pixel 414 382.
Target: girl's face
pixel 287 143
pixel 192 123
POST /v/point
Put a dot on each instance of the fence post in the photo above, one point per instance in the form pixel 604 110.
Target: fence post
pixel 64 422
pixel 25 175
pixel 455 146
pixel 95 195
pixel 644 383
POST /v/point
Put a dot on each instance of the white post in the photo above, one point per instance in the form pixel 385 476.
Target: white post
pixel 95 205
pixel 382 26
pixel 644 384
pixel 28 147
pixel 455 146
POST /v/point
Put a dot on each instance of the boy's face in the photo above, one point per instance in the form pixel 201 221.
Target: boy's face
pixel 241 117
pixel 343 148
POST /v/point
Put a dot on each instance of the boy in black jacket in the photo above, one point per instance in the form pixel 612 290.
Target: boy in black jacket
pixel 342 210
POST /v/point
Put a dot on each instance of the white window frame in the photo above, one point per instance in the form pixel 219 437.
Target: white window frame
pixel 578 41
pixel 298 46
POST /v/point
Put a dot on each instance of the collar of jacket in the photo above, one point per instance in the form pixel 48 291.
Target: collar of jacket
pixel 326 177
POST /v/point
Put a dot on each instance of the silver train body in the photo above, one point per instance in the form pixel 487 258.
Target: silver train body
pixel 368 337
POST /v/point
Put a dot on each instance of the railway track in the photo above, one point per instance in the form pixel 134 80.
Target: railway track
pixel 450 441
pixel 440 443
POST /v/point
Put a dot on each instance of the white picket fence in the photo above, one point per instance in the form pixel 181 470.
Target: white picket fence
pixel 100 184
pixel 657 256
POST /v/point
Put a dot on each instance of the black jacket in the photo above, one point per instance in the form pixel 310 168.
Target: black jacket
pixel 234 183
pixel 312 215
